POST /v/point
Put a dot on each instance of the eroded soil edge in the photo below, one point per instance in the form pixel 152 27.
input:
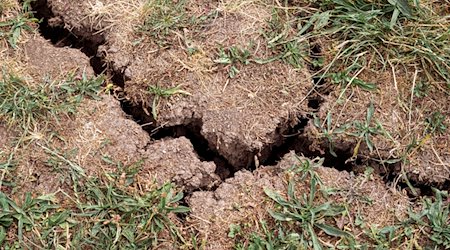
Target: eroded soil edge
pixel 290 137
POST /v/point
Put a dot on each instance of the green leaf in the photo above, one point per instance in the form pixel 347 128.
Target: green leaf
pixel 322 20
pixel 332 231
pixel 403 6
pixel 315 241
pixel 58 218
pixel 280 216
pixel 2 234
pixel 394 18
pixel 329 121
pixel 180 209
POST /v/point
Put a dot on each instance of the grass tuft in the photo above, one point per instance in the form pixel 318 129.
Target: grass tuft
pixel 159 92
pixel 12 28
pixel 389 30
pixel 29 105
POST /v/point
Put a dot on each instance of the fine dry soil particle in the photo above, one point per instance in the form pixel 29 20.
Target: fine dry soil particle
pixel 403 120
pixel 240 115
pixel 241 201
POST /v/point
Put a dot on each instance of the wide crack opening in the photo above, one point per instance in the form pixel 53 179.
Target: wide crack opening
pixel 290 137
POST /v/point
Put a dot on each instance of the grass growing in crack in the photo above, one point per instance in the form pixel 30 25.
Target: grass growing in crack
pixel 12 28
pixel 388 30
pixel 28 105
pixel 329 132
pixel 159 92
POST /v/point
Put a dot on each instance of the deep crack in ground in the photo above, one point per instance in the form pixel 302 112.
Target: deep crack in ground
pixel 290 137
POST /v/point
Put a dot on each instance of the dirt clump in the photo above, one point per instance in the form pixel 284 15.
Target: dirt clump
pixel 46 61
pixel 241 201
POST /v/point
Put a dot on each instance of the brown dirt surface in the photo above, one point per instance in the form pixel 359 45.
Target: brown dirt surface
pixel 99 128
pixel 5 137
pixel 241 200
pixel 256 116
pixel 58 62
pixel 242 114
pixel 102 129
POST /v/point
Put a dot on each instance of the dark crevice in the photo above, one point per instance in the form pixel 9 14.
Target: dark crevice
pixel 420 188
pixel 199 142
pixel 290 137
pixel 315 68
pixel 271 155
pixel 53 29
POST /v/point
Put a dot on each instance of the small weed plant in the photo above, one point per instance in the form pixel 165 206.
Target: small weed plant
pixel 12 28
pixel 233 56
pixel 159 92
pixel 164 16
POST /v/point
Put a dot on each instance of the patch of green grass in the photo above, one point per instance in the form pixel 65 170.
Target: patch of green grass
pixel 159 92
pixel 303 210
pixel 389 30
pixel 344 79
pixel 300 216
pixel 280 39
pixel 164 17
pixel 269 239
pixel 435 217
pixel 11 29
pixel 38 215
pixel 436 123
pixel 106 212
pixel 302 221
pixel 29 105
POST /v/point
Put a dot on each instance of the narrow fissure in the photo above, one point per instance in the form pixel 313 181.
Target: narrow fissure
pixel 292 138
